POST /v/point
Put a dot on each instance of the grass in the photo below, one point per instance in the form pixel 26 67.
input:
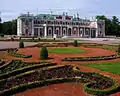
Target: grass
pixel 110 47
pixel 112 67
pixel 66 50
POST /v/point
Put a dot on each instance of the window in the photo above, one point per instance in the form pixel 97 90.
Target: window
pixel 76 23
pixel 87 32
pixel 38 22
pixel 50 32
pixel 60 22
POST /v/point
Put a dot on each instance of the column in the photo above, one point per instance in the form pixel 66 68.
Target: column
pixel 83 31
pixel 60 30
pixel 32 28
pixel 66 31
pixel 77 31
pixel 38 32
pixel 45 32
pixel 97 30
pixel 53 30
pixel 90 33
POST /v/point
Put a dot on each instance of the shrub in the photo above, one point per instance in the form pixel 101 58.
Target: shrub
pixel 15 54
pixel 19 38
pixel 33 38
pixel 21 44
pixel 39 39
pixel 1 35
pixel 44 53
pixel 119 49
pixel 12 39
pixel 75 43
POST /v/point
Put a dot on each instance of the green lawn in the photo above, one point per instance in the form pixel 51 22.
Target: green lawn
pixel 113 67
pixel 66 50
pixel 110 47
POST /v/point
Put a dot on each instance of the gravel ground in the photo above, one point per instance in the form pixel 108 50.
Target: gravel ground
pixel 6 44
pixel 15 44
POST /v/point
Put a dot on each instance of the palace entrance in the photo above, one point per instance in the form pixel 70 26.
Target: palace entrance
pixel 69 32
pixel 93 33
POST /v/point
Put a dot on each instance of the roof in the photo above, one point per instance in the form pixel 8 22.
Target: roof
pixel 45 16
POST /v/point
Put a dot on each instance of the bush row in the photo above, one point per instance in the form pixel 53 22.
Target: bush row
pixel 41 40
pixel 17 64
pixel 52 75
pixel 2 62
pixel 30 85
pixel 5 65
pixel 99 92
pixel 15 54
pixel 95 58
pixel 25 69
pixel 33 40
pixel 23 87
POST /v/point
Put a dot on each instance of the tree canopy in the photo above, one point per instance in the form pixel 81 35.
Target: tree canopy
pixel 8 28
pixel 112 26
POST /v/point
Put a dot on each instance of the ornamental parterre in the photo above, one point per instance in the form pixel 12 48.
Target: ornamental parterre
pixel 98 81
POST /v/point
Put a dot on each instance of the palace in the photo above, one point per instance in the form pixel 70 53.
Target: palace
pixel 48 26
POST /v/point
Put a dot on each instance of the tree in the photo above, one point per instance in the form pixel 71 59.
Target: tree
pixel 112 26
pixel 108 26
pixel 115 25
pixel 9 27
pixel 21 44
pixel 44 53
pixel 75 43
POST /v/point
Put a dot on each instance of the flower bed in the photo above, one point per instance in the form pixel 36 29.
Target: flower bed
pixel 15 54
pixel 98 87
pixel 17 64
pixel 46 76
pixel 25 69
pixel 95 58
pixel 2 62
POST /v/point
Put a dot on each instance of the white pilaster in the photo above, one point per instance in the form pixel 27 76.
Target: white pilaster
pixel 90 32
pixel 38 32
pixel 19 27
pixel 32 28
pixel 45 30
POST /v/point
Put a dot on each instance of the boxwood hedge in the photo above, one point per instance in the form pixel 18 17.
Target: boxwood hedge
pixel 25 69
pixel 94 58
pixel 44 82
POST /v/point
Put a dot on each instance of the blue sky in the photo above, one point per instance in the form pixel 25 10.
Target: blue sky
pixel 10 9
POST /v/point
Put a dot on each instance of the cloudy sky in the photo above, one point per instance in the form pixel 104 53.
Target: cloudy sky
pixel 10 9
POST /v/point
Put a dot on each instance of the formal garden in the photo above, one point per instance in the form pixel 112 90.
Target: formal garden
pixel 94 66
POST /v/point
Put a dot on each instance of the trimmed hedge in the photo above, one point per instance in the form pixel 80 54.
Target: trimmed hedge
pixel 18 64
pixel 23 87
pixel 5 65
pixel 44 53
pixel 21 44
pixel 36 84
pixel 75 43
pixel 2 62
pixel 16 54
pixel 25 69
pixel 104 92
pixel 71 74
pixel 95 58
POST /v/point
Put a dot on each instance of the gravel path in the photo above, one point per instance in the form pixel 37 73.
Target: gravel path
pixel 15 44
